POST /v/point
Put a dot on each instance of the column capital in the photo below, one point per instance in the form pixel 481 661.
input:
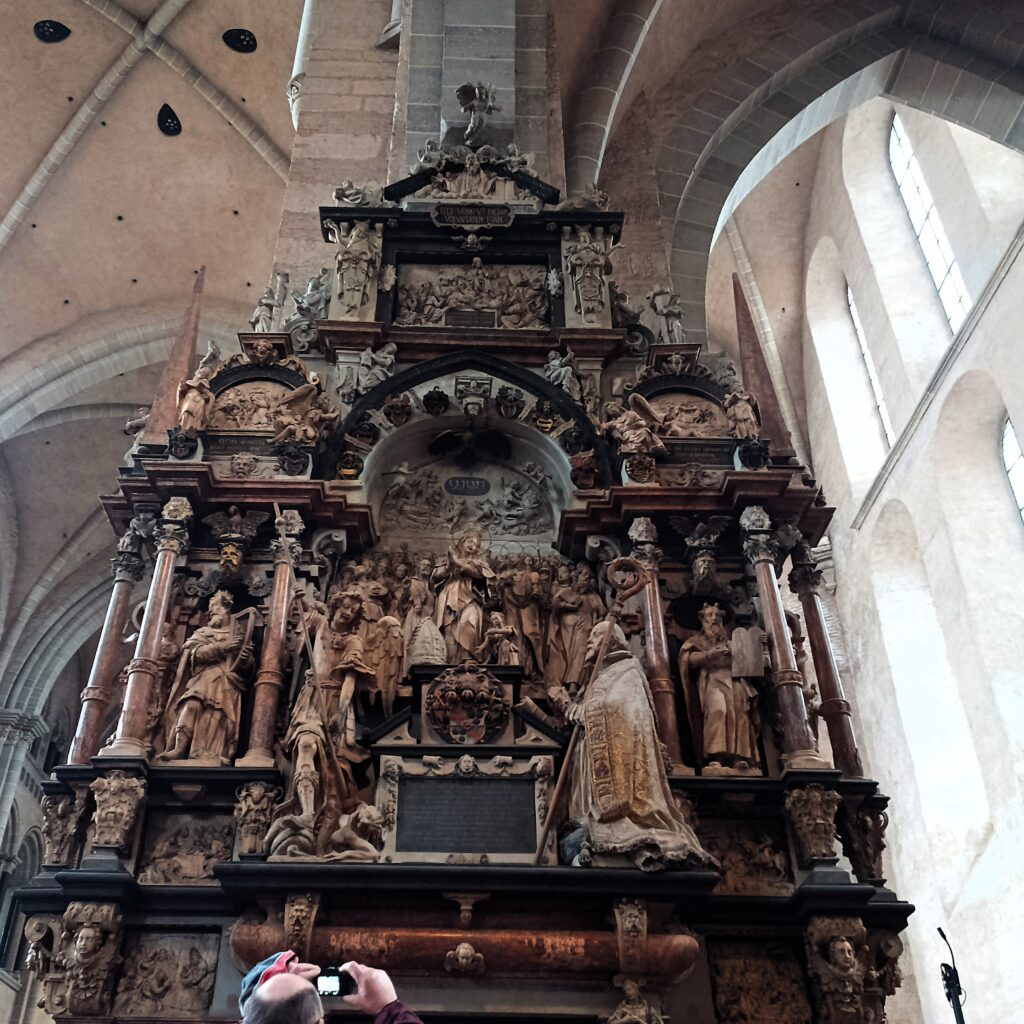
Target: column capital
pixel 760 547
pixel 172 535
pixel 804 579
pixel 127 566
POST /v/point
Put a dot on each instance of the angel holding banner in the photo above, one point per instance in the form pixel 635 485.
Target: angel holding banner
pixel 205 705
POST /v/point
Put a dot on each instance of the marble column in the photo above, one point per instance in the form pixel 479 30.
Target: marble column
pixel 172 540
pixel 804 580
pixel 270 677
pixel 659 675
pixel 128 570
pixel 761 549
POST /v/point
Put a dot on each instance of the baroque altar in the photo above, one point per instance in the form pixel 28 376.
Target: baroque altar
pixel 462 651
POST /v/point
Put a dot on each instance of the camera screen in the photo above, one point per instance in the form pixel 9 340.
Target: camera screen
pixel 332 981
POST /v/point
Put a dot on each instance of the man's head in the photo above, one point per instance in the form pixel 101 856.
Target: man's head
pixel 284 999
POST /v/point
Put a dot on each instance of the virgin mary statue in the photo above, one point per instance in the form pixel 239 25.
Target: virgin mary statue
pixel 620 798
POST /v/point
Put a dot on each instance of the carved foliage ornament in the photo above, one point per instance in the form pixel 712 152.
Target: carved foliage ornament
pixel 812 812
pixel 118 797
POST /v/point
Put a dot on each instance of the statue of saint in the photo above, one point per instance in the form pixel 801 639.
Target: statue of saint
pixel 206 697
pixel 523 603
pixel 375 367
pixel 263 314
pixel 620 799
pixel 563 373
pixel 463 584
pixel 472 182
pixel 321 739
pixel 744 415
pixel 422 640
pixel 587 262
pixel 357 260
pixel 576 608
pixel 499 644
pixel 724 728
pixel 634 1009
pixel 195 400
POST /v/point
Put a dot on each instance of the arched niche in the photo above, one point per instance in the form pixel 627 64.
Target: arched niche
pixel 985 564
pixel 518 508
pixel 926 701
pixel 849 403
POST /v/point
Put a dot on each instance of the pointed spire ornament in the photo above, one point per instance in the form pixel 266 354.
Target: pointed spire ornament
pixel 163 415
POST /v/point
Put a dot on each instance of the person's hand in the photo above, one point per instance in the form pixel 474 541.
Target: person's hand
pixel 307 971
pixel 373 988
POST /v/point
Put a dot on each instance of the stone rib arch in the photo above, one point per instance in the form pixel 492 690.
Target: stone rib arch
pixel 705 156
pixel 482 362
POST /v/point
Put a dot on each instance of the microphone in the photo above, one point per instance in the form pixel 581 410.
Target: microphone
pixel 951 982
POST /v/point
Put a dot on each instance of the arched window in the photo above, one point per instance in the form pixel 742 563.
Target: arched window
pixel 931 235
pixel 869 366
pixel 1013 460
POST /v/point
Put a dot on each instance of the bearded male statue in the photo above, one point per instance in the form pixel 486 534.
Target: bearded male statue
pixel 620 801
pixel 722 710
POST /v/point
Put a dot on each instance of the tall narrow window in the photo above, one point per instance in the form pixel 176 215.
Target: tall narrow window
pixel 869 366
pixel 931 235
pixel 1013 460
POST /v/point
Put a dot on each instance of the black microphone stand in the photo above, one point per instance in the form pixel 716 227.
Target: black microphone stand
pixel 951 983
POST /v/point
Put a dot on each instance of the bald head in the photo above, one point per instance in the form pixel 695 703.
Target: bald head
pixel 284 999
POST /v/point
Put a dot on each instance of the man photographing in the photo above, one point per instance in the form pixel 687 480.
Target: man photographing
pixel 282 990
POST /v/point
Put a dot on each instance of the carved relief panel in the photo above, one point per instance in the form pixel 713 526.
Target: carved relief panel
pixel 757 983
pixel 167 975
pixel 182 849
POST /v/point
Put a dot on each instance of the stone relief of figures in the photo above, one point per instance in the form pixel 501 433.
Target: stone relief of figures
pixel 634 426
pixel 184 852
pixel 754 983
pixel 321 741
pixel 586 264
pixel 356 265
pixel 167 976
pixel 620 802
pixel 752 863
pixel 302 415
pixel 205 705
pixel 721 702
pixel 513 297
pixel 418 499
pixel 195 397
pixel 375 366
pixel 537 611
pixel 642 426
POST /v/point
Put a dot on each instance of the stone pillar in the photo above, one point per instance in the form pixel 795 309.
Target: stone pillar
pixel 131 737
pixel 659 675
pixel 761 549
pixel 128 569
pixel 835 708
pixel 270 677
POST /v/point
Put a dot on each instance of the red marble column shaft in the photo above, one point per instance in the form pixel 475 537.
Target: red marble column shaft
pixel 659 675
pixel 97 692
pixel 131 737
pixel 835 708
pixel 270 677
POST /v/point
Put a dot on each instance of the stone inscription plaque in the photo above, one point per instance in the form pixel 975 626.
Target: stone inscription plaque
pixel 472 215
pixel 481 815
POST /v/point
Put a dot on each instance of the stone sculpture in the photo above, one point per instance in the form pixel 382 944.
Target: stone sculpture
pixel 836 954
pixel 587 263
pixel 357 837
pixel 728 727
pixel 466 705
pixel 314 302
pixel 634 427
pixel 744 416
pixel 263 315
pixel 81 972
pixel 321 738
pixel 186 854
pixel 754 984
pixel 620 797
pixel 303 416
pixel 812 812
pixel 252 816
pixel 464 959
pixel 523 601
pixel 357 261
pixel 634 1009
pixel 474 181
pixel 563 373
pixel 205 706
pixel 463 584
pixel 574 609
pixel 499 645
pixel 167 977
pixel 478 102
pixel 118 796
pixel 195 397
pixel 667 305
pixel 61 817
